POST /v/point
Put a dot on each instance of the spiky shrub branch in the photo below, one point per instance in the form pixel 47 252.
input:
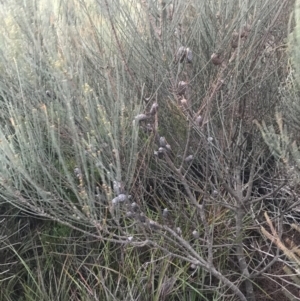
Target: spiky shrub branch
pixel 233 145
pixel 133 124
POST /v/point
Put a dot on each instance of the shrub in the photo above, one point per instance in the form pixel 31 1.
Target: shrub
pixel 132 124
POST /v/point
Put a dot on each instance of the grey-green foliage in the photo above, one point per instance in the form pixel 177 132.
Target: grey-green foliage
pixel 74 77
pixel 100 66
pixel 65 104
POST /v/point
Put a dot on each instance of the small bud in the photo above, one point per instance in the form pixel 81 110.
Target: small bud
pixel 160 153
pixel 199 120
pixel 196 234
pixel 210 139
pixel 153 224
pixel 142 217
pixel 216 60
pixel 50 94
pixel 168 147
pixel 215 193
pixel 134 206
pixel 130 238
pixel 182 86
pixel 147 99
pixel 180 55
pixel 115 201
pixel 165 213
pixel 121 198
pixel 149 128
pixel 221 82
pixel 162 141
pixel 77 172
pixel 161 150
pixel 117 187
pixel 178 230
pixel 140 117
pixel 189 55
pixel 129 214
pixel 154 109
pixel 193 266
pixel 189 158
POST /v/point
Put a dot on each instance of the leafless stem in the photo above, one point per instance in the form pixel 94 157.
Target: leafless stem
pixel 198 260
pixel 197 205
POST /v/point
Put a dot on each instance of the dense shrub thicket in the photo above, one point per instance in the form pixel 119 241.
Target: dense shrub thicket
pixel 142 157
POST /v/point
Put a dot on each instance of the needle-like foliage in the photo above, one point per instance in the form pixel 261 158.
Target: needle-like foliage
pixel 128 127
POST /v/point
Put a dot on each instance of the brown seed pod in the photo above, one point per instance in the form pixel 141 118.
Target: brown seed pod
pixel 184 102
pixel 216 60
pixel 244 34
pixel 182 86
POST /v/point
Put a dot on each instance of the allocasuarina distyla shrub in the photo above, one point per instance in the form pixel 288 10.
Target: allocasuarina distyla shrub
pixel 132 122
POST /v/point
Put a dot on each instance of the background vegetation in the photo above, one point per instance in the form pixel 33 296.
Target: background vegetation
pixel 149 150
